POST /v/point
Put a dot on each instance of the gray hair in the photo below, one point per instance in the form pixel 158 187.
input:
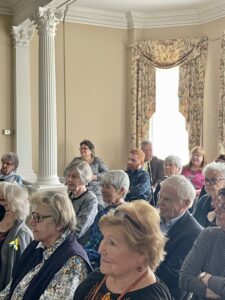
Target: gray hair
pixel 17 198
pixel 11 156
pixel 60 207
pixel 146 143
pixel 118 179
pixel 175 160
pixel 215 166
pixel 83 169
pixel 183 186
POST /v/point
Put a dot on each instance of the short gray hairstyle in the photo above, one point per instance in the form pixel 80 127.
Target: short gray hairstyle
pixel 83 169
pixel 183 186
pixel 145 143
pixel 175 160
pixel 60 207
pixel 17 198
pixel 118 179
pixel 11 156
pixel 215 166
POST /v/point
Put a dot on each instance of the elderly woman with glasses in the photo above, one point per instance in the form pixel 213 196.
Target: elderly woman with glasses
pixel 10 162
pixel 131 249
pixel 54 264
pixel 214 180
pixel 15 236
pixel 203 271
pixel 87 153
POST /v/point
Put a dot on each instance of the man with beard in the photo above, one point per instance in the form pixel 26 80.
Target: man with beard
pixel 139 179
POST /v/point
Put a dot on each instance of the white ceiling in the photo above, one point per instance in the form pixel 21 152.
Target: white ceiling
pixel 147 5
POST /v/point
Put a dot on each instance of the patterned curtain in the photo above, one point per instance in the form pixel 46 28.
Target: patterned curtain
pixel 190 54
pixel 221 121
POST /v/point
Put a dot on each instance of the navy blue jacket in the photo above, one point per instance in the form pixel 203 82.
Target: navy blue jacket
pixel 180 241
pixel 139 185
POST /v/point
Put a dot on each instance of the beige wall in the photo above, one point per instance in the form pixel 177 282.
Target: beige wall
pixel 95 71
pixel 93 86
pixel 6 85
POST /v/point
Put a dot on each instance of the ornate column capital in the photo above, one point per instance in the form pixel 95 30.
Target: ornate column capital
pixel 46 20
pixel 21 35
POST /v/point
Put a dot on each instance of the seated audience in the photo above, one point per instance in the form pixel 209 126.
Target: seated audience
pixel 203 271
pixel 15 236
pixel 131 249
pixel 10 163
pixel 115 185
pixel 87 153
pixel 193 170
pixel 139 179
pixel 214 180
pixel 175 197
pixel 172 166
pixel 153 165
pixel 84 201
pixel 53 265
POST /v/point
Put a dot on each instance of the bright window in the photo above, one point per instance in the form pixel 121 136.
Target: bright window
pixel 168 133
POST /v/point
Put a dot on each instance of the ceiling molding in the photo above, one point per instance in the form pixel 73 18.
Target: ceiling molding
pixel 96 17
pixel 133 19
pixel 5 8
pixel 22 9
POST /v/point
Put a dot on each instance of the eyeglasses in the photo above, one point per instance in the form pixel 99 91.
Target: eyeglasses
pixel 122 215
pixel 84 148
pixel 211 181
pixel 38 218
pixel 220 207
pixel 8 163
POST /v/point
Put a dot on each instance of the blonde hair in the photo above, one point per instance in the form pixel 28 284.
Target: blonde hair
pixel 141 229
pixel 60 207
pixel 198 150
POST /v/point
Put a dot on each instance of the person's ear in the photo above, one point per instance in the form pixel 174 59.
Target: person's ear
pixel 59 227
pixel 187 203
pixel 121 191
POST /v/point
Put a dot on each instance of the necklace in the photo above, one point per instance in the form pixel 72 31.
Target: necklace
pixel 107 295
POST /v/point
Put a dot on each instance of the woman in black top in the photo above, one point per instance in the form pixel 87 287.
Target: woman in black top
pixel 131 249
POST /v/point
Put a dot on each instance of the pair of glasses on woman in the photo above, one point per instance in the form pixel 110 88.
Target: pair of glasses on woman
pixel 37 218
pixel 211 181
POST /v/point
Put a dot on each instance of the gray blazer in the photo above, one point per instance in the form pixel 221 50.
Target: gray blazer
pixel 157 169
pixel 9 255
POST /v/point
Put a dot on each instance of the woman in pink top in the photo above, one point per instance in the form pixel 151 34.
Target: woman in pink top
pixel 193 170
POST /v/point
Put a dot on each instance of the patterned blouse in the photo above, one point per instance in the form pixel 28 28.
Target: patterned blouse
pixel 64 282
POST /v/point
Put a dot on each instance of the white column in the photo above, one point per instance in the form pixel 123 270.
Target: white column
pixel 23 141
pixel 46 21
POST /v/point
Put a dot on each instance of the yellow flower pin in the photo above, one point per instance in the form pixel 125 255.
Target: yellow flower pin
pixel 15 243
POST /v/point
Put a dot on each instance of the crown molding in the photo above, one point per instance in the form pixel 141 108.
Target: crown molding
pixel 134 19
pixel 96 17
pixel 5 8
pixel 23 9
